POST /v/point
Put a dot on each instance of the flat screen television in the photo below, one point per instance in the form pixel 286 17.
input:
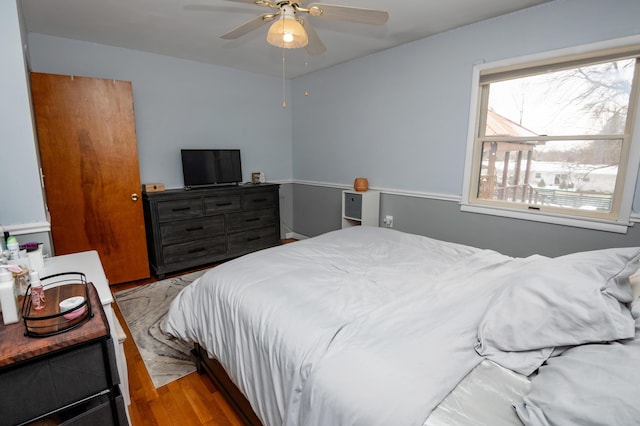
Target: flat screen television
pixel 209 167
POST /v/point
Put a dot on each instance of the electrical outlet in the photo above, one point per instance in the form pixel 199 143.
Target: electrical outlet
pixel 388 221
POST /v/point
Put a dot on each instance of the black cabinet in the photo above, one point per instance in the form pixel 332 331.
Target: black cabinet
pixel 189 228
pixel 66 379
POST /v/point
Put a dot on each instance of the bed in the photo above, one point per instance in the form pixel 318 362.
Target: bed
pixel 372 326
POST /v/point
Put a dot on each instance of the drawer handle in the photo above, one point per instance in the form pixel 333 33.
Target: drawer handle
pixel 223 204
pixel 197 250
pixel 253 219
pixel 181 209
pixel 253 239
pixel 197 228
pixel 260 200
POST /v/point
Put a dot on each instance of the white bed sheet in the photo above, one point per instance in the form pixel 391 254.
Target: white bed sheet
pixel 485 397
pixel 362 326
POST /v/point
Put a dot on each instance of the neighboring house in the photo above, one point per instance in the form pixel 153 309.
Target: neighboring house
pixel 588 186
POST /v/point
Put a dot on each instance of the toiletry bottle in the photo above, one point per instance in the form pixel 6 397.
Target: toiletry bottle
pixel 8 297
pixel 14 248
pixel 37 291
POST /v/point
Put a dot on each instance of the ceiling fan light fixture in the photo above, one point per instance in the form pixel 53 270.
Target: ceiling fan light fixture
pixel 287 32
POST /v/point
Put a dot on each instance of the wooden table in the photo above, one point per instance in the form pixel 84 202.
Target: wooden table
pixel 71 376
pixel 16 347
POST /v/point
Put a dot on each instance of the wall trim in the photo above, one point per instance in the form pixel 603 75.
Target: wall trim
pixel 27 228
pixel 388 191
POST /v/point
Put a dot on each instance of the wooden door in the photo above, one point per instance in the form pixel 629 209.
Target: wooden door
pixel 87 140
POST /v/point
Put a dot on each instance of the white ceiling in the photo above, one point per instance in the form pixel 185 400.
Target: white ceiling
pixel 174 28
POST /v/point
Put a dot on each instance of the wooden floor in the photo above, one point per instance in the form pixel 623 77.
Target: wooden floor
pixel 191 400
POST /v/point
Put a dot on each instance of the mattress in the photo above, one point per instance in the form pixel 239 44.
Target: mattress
pixel 308 331
pixel 371 326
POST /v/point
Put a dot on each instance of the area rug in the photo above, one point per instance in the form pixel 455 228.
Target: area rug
pixel 144 308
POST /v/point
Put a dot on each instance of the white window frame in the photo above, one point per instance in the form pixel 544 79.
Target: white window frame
pixel 630 169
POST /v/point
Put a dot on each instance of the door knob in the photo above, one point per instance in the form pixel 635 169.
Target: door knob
pixel 134 197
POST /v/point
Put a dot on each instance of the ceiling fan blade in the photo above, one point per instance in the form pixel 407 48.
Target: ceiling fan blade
pixel 350 14
pixel 315 46
pixel 249 26
pixel 201 7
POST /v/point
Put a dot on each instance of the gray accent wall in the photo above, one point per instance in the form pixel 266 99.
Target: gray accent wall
pixel 318 209
pixel 443 220
pixel 400 118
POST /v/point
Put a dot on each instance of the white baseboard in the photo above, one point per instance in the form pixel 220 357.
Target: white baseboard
pixel 295 235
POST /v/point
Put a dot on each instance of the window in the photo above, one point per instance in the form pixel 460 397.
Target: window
pixel 552 139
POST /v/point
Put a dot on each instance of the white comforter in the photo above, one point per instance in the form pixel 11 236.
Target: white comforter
pixel 362 326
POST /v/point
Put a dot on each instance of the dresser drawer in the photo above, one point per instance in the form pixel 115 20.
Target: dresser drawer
pixel 259 200
pixel 181 231
pixel 251 219
pixel 194 250
pixel 252 240
pixel 179 209
pixel 223 204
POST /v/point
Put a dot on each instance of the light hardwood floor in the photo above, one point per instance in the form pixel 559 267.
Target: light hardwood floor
pixel 191 400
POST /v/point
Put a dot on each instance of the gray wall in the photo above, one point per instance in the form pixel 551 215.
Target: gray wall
pixel 400 118
pixel 318 209
pixel 185 104
pixel 21 199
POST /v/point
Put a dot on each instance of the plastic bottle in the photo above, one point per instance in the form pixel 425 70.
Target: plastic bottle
pixel 8 297
pixel 2 242
pixel 37 291
pixel 14 248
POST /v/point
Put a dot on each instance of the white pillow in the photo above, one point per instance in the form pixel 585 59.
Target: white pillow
pixel 564 301
pixel 594 384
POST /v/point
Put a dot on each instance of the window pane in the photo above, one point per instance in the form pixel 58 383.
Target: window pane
pixel 576 174
pixel 589 100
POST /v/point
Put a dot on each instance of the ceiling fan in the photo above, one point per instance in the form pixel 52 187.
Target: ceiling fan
pixel 291 30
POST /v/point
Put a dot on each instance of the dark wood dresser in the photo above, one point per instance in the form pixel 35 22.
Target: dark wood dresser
pixel 70 378
pixel 190 228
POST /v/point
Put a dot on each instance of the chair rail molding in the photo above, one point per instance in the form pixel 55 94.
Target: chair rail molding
pixel 26 228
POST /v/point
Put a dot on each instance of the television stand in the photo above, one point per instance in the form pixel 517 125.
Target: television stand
pixel 198 226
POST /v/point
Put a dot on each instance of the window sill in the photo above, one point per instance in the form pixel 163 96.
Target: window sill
pixel 598 225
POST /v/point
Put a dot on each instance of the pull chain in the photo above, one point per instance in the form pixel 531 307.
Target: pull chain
pixel 306 66
pixel 284 99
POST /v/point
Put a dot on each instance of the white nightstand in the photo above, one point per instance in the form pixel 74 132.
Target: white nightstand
pixel 360 208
